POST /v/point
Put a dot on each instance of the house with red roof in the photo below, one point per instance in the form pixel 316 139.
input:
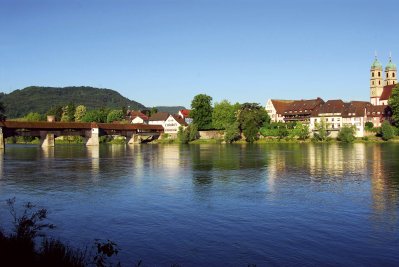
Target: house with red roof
pixel 170 122
pixel 185 114
pixel 276 107
pixel 137 117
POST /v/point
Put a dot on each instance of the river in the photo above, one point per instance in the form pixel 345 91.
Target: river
pixel 216 205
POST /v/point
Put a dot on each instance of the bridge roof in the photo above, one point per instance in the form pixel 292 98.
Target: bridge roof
pixel 77 125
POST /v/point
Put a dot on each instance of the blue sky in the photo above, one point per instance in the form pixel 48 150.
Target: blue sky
pixel 166 52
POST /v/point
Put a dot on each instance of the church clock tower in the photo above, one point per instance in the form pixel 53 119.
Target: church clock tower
pixel 376 82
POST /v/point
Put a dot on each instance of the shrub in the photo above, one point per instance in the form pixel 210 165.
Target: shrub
pixel 232 133
pixel 368 126
pixel 347 134
pixel 387 131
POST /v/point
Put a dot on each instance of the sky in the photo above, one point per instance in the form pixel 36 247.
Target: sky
pixel 166 52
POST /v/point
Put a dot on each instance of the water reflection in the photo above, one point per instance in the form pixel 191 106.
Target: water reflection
pixel 93 153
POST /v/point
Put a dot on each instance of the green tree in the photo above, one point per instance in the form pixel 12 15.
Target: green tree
pixel 115 115
pixel 187 134
pixel 97 115
pixel 33 116
pixel 68 113
pixel 387 131
pixel 282 133
pixel 321 133
pixel 301 131
pixel 153 111
pixel 251 117
pixel 193 130
pixel 80 112
pixel 55 111
pixel 224 114
pixel 368 125
pixel 2 112
pixel 232 133
pixel 393 102
pixel 347 134
pixel 201 111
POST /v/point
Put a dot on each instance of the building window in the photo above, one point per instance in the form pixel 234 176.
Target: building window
pixel 372 74
pixel 379 74
pixel 372 82
pixel 387 74
pixel 393 75
pixel 379 82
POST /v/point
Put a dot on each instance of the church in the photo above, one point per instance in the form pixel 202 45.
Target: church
pixel 381 90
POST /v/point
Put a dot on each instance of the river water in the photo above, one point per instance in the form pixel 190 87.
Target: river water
pixel 216 205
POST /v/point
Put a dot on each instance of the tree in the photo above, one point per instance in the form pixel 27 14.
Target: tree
pixel 387 131
pixel 232 133
pixel 68 113
pixel 393 102
pixel 301 131
pixel 2 111
pixel 224 114
pixel 80 112
pixel 115 115
pixel 347 134
pixel 201 111
pixel 187 134
pixel 321 133
pixel 153 111
pixel 33 116
pixel 369 125
pixel 97 115
pixel 250 117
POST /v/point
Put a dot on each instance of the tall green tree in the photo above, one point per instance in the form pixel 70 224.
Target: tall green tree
pixel 224 114
pixel 251 117
pixel 347 134
pixel 387 131
pixel 321 133
pixel 393 102
pixel 201 111
pixel 80 112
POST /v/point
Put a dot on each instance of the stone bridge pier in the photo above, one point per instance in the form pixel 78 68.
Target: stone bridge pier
pixel 47 139
pixel 92 137
pixel 1 138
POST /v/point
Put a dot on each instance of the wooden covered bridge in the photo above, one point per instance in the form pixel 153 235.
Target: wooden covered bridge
pixel 48 131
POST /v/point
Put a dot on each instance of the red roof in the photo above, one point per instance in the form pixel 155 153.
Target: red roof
pixel 179 119
pixel 133 114
pixel 160 116
pixel 387 92
pixel 185 113
pixel 331 106
pixel 303 106
pixel 356 109
pixel 281 105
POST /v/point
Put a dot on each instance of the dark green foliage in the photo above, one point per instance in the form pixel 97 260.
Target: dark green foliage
pixel 153 111
pixel 40 99
pixel 368 125
pixel 115 115
pixel 201 111
pixel 194 134
pixel 387 131
pixel 251 117
pixel 347 134
pixel 2 112
pixel 232 133
pixel 393 102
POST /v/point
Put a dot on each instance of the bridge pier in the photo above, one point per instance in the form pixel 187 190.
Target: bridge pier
pixel 92 137
pixel 135 139
pixel 47 139
pixel 1 138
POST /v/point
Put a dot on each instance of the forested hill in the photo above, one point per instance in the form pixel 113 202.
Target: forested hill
pixel 40 99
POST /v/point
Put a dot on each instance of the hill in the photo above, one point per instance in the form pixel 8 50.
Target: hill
pixel 40 99
pixel 171 109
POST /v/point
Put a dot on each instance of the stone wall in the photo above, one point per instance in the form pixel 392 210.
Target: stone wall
pixel 211 134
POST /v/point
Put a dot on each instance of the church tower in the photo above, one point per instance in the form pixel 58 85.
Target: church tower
pixel 390 73
pixel 376 82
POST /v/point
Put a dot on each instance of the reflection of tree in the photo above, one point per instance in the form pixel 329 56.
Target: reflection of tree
pixel 202 164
